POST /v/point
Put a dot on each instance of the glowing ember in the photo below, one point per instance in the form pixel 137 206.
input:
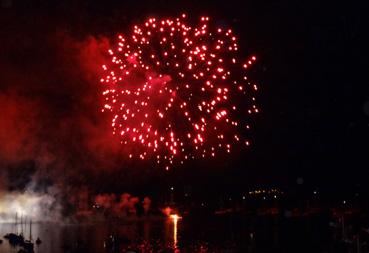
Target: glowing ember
pixel 177 91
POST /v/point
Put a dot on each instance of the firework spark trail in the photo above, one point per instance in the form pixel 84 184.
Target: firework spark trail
pixel 177 91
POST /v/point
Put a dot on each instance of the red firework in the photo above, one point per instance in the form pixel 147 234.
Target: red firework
pixel 177 91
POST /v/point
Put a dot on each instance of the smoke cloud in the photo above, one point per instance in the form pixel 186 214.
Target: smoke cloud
pixel 30 205
pixel 52 132
pixel 124 205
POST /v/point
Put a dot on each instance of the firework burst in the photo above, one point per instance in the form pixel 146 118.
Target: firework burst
pixel 177 91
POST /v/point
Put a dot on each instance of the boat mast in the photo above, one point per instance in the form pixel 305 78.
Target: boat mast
pixel 21 222
pixel 30 230
pixel 16 223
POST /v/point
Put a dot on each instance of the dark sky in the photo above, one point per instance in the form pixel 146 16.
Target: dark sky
pixel 312 71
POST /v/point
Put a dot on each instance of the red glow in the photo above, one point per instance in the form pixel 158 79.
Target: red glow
pixel 159 93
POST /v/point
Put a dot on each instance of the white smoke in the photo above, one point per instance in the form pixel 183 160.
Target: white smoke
pixel 30 205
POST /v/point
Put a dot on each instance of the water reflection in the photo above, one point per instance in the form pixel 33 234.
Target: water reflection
pixel 174 234
pixel 175 218
pixel 147 236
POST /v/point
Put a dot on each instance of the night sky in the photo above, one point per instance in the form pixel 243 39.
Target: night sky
pixel 312 72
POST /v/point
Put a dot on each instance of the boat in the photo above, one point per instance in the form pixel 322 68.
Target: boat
pixel 15 238
pixel 28 244
pixel 38 241
pixel 18 239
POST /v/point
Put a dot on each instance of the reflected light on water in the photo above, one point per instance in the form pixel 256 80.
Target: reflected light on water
pixel 175 218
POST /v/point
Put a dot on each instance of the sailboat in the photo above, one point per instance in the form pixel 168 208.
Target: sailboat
pixel 28 244
pixel 15 238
